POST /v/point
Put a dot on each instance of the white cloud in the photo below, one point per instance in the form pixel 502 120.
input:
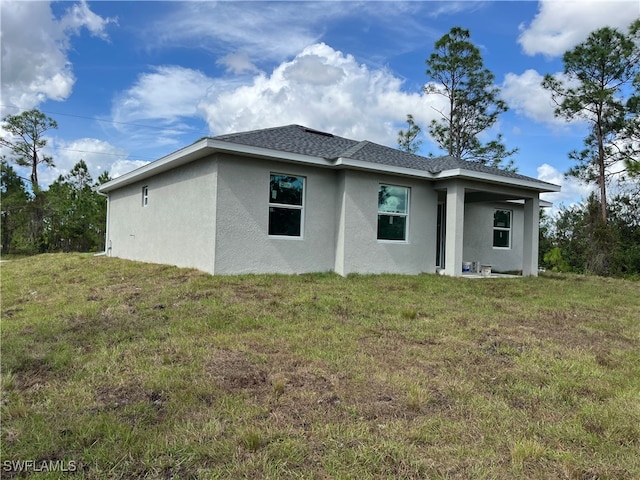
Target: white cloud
pixel 99 156
pixel 560 25
pixel 238 63
pixel 321 88
pixel 121 167
pixel 167 93
pixel 573 190
pixel 35 63
pixel 313 70
pixel 161 107
pixel 525 95
pixel 79 16
pixel 247 34
pixel 264 31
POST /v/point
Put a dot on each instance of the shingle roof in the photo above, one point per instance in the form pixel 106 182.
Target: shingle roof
pixel 293 139
pixel 302 140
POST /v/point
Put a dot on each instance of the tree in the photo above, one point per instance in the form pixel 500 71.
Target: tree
pixel 576 241
pixel 408 140
pixel 76 213
pixel 26 140
pixel 15 205
pixel 457 72
pixel 599 73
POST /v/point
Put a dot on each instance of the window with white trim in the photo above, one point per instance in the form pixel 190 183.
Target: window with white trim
pixel 502 228
pixel 145 196
pixel 286 205
pixel 393 212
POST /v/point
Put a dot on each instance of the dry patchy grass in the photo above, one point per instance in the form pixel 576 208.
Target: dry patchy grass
pixel 146 371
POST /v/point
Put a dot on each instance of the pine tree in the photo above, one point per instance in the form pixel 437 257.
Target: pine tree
pixel 26 140
pixel 598 73
pixel 457 72
pixel 408 140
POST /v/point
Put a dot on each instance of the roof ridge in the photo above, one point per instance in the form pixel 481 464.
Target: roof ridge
pixel 245 132
pixel 349 152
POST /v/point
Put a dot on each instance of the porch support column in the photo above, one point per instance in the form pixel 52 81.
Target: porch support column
pixel 530 240
pixel 454 230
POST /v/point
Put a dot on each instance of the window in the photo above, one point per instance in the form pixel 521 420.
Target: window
pixel 502 228
pixel 286 205
pixel 393 212
pixel 145 196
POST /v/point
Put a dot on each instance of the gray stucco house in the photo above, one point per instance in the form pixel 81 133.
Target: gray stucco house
pixel 294 200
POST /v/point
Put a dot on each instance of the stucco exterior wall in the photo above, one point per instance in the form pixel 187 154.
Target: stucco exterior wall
pixel 213 214
pixel 176 227
pixel 243 244
pixel 478 236
pixel 360 250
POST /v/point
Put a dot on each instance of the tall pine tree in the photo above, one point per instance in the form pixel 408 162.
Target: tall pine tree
pixel 456 71
pixel 26 140
pixel 599 74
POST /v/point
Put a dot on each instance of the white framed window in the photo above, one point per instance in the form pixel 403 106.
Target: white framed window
pixel 393 212
pixel 145 196
pixel 502 228
pixel 286 205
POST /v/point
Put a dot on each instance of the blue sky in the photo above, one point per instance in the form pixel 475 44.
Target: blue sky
pixel 129 82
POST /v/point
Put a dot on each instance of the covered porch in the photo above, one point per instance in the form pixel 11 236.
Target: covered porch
pixel 485 224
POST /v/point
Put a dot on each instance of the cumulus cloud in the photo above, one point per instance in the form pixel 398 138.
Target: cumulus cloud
pixel 35 63
pixel 313 70
pixel 321 88
pixel 560 25
pixel 525 95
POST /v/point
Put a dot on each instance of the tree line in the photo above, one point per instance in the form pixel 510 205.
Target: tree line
pixel 69 216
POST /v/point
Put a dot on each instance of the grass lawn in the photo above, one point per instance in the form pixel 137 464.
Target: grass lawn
pixel 118 369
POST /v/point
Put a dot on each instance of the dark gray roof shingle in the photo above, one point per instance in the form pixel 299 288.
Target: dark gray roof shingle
pixel 293 139
pixel 306 141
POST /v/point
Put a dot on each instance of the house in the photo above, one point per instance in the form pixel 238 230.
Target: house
pixel 293 200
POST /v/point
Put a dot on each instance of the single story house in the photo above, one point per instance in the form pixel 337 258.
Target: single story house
pixel 293 200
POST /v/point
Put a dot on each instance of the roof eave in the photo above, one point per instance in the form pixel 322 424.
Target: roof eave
pixel 456 173
pixel 180 157
pixel 201 149
pixel 209 146
pixel 532 184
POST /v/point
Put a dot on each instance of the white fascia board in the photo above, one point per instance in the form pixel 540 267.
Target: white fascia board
pixel 541 203
pixel 537 185
pixel 175 159
pixel 201 149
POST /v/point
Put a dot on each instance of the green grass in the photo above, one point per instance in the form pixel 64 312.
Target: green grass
pixel 132 370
